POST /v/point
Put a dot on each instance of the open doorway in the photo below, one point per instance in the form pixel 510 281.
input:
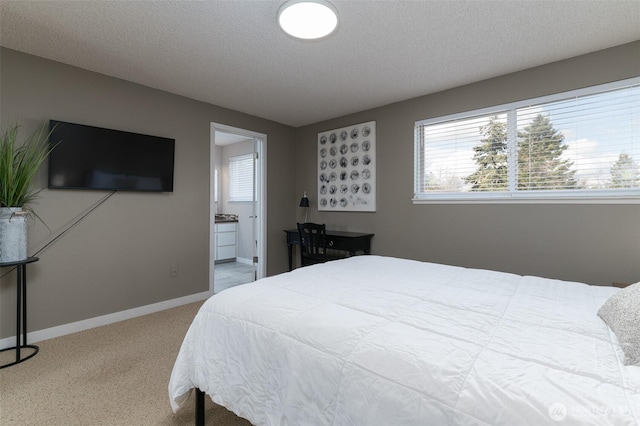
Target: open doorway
pixel 237 238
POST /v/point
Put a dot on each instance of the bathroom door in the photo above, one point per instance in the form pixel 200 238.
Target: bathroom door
pixel 256 215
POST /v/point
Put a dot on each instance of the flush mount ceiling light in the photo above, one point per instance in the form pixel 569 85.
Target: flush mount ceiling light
pixel 308 19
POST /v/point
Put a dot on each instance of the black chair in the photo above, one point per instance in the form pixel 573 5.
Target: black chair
pixel 313 247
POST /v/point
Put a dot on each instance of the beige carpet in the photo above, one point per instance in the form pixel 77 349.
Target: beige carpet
pixel 112 375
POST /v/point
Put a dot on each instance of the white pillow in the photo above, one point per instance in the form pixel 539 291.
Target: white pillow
pixel 621 312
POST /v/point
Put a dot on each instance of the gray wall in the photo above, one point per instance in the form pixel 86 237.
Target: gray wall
pixel 119 257
pixel 597 244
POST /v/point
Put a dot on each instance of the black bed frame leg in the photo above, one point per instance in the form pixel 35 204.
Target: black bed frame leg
pixel 199 407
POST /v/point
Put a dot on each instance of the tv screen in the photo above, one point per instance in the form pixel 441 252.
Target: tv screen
pixel 88 157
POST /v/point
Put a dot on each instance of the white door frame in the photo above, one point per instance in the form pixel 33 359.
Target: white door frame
pixel 261 199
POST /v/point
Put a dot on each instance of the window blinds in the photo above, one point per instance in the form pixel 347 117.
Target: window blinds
pixel 586 144
pixel 241 178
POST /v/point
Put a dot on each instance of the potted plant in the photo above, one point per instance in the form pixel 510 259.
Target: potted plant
pixel 19 164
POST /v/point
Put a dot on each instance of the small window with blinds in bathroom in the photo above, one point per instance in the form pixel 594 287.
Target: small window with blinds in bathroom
pixel 580 146
pixel 241 178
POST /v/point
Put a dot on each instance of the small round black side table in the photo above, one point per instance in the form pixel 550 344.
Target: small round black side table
pixel 21 311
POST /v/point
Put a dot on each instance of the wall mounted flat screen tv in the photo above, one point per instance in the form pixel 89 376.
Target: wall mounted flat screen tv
pixel 88 157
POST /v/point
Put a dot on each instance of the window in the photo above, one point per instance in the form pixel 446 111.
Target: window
pixel 580 145
pixel 241 178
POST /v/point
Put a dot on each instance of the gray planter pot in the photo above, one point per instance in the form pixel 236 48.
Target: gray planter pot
pixel 13 234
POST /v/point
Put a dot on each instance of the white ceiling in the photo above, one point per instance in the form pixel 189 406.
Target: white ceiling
pixel 232 53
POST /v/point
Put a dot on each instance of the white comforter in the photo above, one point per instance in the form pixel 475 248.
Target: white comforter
pixel 373 340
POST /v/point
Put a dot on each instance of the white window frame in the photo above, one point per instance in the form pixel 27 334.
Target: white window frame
pixel 591 196
pixel 241 191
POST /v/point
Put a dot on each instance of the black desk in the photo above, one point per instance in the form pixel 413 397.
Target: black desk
pixel 350 242
pixel 21 311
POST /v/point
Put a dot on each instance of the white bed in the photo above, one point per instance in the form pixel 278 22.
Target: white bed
pixel 373 340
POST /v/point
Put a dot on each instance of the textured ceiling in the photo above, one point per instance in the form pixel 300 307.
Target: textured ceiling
pixel 232 54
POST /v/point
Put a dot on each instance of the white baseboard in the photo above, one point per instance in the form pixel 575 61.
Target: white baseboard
pixel 74 327
pixel 244 261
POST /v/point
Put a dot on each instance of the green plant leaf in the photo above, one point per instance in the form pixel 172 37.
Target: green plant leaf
pixel 19 164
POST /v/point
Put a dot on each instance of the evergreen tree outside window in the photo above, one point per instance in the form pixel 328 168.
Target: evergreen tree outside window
pixel 583 144
pixel 540 161
pixel 625 173
pixel 491 157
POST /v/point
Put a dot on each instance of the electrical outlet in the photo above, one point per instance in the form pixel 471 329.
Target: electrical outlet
pixel 174 270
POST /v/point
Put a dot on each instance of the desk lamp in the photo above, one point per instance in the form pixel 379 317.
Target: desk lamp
pixel 304 202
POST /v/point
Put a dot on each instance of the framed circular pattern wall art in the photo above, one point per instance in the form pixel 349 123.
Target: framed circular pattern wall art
pixel 347 168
